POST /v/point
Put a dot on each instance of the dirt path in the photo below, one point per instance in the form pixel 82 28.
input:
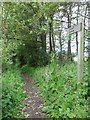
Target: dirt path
pixel 33 102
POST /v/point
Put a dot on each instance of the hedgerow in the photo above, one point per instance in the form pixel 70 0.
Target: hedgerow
pixel 12 94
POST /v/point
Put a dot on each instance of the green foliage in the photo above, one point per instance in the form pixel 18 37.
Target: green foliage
pixel 63 97
pixel 24 34
pixel 25 26
pixel 12 94
pixel 29 53
pixel 9 48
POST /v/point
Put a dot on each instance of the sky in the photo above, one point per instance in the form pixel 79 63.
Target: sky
pixel 65 35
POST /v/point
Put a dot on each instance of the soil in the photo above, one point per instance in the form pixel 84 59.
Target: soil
pixel 33 102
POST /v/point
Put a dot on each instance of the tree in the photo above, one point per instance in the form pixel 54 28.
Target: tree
pixel 27 32
pixel 69 41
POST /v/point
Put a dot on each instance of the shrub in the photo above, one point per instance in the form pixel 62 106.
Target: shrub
pixel 12 93
pixel 32 55
pixel 63 96
pixel 8 53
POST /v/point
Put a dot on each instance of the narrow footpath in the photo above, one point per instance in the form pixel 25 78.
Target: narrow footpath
pixel 33 102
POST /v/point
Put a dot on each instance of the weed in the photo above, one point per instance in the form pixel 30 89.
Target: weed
pixel 63 97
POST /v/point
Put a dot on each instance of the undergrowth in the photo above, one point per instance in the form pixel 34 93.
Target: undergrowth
pixel 63 96
pixel 12 94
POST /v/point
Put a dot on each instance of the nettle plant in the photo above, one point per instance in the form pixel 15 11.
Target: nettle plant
pixel 12 94
pixel 63 97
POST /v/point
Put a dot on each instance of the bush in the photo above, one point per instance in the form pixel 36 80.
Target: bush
pixel 62 95
pixel 32 55
pixel 8 53
pixel 12 94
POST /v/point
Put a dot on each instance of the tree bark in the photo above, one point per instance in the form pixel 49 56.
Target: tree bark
pixel 60 42
pixel 89 31
pixel 50 36
pixel 43 40
pixel 84 27
pixel 76 32
pixel 43 34
pixel 69 41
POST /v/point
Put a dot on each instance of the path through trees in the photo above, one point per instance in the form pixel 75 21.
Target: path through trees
pixel 33 102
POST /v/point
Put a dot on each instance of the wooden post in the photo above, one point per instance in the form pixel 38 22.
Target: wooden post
pixel 80 29
pixel 80 51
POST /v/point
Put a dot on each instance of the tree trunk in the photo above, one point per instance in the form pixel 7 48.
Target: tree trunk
pixel 76 32
pixel 43 34
pixel 84 27
pixel 89 32
pixel 43 40
pixel 60 42
pixel 50 36
pixel 69 41
pixel 88 49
